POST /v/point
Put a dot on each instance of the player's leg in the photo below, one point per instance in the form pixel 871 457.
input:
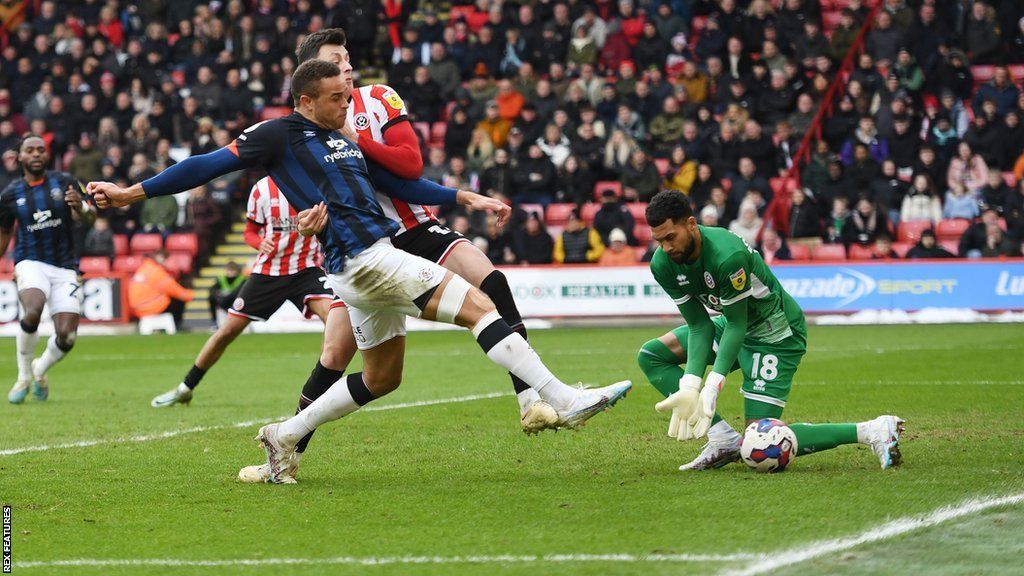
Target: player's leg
pixel 768 376
pixel 213 349
pixel 466 260
pixel 383 349
pixel 454 301
pixel 65 332
pixel 32 301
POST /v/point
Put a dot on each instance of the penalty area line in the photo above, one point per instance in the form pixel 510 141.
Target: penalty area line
pixel 767 563
pixel 245 424
pixel 391 560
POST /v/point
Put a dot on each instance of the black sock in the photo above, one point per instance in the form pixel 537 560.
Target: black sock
pixel 26 329
pixel 497 289
pixel 320 379
pixel 193 377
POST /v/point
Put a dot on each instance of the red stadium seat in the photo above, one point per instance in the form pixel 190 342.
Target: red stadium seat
pixel 120 244
pixel 830 20
pixel 555 231
pixel 146 243
pixel 558 214
pixel 437 132
pixel 179 263
pixel 456 12
pixel 858 252
pixel 127 264
pixel 663 165
pixel 532 209
pixel 422 130
pixel 638 210
pixel 183 242
pixel 607 185
pixel 982 73
pixel 951 246
pixel 800 252
pixel 829 252
pixel 94 265
pixel 911 231
pixel 271 112
pixel 902 248
pixel 589 210
pixel 1016 72
pixel 642 233
pixel 952 229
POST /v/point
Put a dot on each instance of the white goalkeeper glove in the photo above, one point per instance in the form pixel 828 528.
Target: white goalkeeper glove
pixel 685 407
pixel 709 399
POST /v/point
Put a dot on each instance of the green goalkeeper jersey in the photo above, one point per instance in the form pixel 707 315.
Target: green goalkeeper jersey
pixel 729 277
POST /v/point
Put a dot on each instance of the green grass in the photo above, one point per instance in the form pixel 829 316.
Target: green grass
pixel 459 479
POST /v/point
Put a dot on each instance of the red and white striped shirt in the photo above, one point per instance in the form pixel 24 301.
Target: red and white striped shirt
pixel 294 252
pixel 372 110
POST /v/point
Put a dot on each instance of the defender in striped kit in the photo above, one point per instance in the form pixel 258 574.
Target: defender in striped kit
pixel 286 270
pixel 44 204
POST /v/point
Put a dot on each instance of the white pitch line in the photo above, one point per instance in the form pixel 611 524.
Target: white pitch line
pixel 246 424
pixel 772 562
pixel 390 560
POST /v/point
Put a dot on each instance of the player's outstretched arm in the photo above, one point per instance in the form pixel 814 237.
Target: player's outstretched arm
pixel 423 191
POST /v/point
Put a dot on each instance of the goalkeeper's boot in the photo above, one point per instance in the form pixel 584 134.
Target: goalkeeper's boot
pixel 590 402
pixel 40 384
pixel 18 392
pixel 180 394
pixel 279 452
pixel 715 455
pixel 883 435
pixel 261 474
pixel 537 417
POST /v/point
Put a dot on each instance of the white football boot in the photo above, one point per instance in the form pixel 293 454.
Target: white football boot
pixel 180 394
pixel 715 455
pixel 18 392
pixel 539 416
pixel 261 474
pixel 279 452
pixel 590 402
pixel 40 384
pixel 883 435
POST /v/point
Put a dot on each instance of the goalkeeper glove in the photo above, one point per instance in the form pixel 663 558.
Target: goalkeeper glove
pixel 684 405
pixel 708 402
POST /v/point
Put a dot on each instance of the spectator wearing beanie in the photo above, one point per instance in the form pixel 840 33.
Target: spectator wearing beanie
pixel 926 247
pixel 618 252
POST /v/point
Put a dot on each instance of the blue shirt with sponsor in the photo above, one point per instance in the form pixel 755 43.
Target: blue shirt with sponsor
pixel 45 226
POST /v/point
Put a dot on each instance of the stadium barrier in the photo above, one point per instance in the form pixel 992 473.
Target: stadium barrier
pixel 630 291
pixel 104 299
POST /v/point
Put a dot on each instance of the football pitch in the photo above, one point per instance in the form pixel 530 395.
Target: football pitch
pixel 437 478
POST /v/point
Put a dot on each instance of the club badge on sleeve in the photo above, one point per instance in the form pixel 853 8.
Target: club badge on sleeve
pixel 738 279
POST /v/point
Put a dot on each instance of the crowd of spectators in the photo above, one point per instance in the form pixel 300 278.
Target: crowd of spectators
pixel 545 103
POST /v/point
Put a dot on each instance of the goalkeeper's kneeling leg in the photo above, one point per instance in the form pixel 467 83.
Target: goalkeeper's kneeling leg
pixel 661 366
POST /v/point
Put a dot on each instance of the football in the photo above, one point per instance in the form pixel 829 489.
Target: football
pixel 768 445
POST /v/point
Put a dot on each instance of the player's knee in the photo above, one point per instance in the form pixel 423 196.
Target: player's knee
pixel 334 356
pixel 66 341
pixel 30 319
pixel 653 356
pixel 381 384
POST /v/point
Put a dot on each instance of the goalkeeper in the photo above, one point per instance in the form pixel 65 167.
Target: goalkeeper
pixel 761 331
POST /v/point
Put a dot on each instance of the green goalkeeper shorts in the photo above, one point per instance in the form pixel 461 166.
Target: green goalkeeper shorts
pixel 768 369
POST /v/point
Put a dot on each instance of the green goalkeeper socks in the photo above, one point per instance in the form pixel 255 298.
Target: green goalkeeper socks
pixel 660 366
pixel 811 438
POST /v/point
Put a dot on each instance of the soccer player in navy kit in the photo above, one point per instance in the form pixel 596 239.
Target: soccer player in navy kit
pixel 44 204
pixel 312 162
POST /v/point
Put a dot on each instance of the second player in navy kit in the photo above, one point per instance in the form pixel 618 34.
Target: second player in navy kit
pixel 44 205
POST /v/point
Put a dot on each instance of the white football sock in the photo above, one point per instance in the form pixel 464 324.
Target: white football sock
pixel 513 353
pixel 50 356
pixel 864 432
pixel 26 346
pixel 722 433
pixel 336 403
pixel 526 398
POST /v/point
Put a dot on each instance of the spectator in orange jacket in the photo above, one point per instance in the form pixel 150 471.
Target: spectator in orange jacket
pixel 152 290
pixel 618 253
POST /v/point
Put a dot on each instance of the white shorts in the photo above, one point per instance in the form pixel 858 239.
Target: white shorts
pixel 60 285
pixel 379 286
